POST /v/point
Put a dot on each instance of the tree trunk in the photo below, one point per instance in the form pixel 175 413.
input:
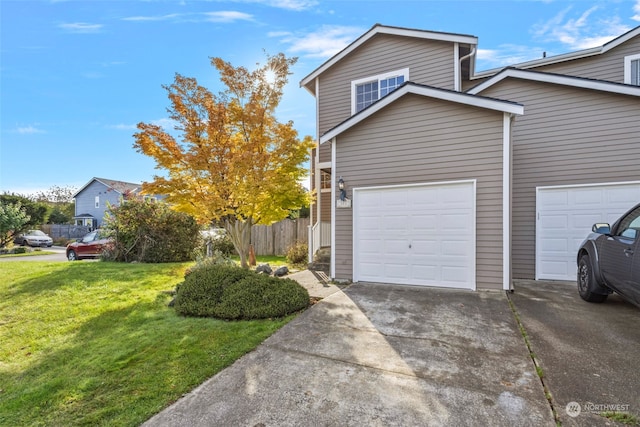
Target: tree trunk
pixel 240 234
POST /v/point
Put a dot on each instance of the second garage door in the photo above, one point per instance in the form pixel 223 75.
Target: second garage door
pixel 416 235
pixel 565 216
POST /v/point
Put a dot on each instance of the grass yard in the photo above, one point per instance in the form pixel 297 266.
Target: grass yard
pixel 94 343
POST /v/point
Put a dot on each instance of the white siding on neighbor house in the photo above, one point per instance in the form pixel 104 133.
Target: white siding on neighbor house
pixel 430 62
pixel 607 66
pixel 567 136
pixel 85 202
pixel 420 140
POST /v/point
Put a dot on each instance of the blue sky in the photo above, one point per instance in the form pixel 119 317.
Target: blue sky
pixel 77 76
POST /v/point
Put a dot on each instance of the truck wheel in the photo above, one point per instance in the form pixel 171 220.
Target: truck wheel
pixel 587 282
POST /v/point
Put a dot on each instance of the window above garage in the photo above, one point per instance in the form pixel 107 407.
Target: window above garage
pixel 632 70
pixel 368 90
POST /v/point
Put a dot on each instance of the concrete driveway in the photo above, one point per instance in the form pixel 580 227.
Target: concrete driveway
pixel 589 353
pixel 380 355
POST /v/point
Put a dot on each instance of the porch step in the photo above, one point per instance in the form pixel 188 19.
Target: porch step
pixel 321 260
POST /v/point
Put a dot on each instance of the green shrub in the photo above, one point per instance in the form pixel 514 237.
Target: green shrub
pixel 298 253
pixel 234 293
pixel 150 232
pixel 216 258
pixel 19 250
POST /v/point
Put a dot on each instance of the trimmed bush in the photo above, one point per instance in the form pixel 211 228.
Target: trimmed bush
pixel 298 253
pixel 234 293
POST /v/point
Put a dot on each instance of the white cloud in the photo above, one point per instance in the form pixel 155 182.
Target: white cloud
pixel 28 130
pixel 152 18
pixel 81 27
pixel 323 43
pixel 636 9
pixel 507 55
pixel 227 16
pixel 588 29
pixel 165 123
pixel 122 126
pixel 224 16
pixel 297 5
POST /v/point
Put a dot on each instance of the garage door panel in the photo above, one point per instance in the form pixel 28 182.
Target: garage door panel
pixel 455 248
pixel 429 273
pixel 565 216
pixel 425 247
pixel 453 274
pixel 396 246
pixel 427 235
pixel 424 223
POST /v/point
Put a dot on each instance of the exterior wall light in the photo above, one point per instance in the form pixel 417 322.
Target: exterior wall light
pixel 343 192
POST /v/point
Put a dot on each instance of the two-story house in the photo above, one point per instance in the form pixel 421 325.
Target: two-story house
pixel 92 201
pixel 461 179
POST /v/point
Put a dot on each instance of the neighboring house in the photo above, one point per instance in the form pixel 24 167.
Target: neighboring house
pixel 469 180
pixel 93 200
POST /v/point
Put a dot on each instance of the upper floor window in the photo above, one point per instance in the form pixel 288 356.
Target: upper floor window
pixel 365 92
pixel 632 70
pixel 325 180
pixel 97 202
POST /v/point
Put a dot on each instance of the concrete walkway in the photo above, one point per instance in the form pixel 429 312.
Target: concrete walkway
pixel 379 355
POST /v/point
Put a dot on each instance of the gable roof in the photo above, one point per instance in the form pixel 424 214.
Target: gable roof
pixel 426 91
pixel 118 186
pixel 561 79
pixel 599 50
pixel 383 29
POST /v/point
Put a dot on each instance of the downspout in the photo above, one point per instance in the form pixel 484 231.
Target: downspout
pixel 459 77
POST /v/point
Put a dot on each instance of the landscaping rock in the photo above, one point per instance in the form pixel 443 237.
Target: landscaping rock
pixel 282 271
pixel 264 268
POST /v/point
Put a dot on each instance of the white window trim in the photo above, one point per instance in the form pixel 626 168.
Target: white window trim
pixel 354 83
pixel 627 67
pixel 97 202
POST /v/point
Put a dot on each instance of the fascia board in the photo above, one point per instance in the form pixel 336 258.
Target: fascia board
pixel 565 56
pixel 558 79
pixel 381 29
pixel 491 104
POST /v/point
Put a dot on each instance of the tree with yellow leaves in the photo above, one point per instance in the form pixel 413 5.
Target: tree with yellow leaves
pixel 234 162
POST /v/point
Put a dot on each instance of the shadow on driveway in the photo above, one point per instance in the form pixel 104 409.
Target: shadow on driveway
pixel 380 355
pixel 589 353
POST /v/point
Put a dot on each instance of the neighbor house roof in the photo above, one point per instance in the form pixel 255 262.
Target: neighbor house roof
pixel 599 50
pixel 427 91
pixel 383 29
pixel 580 82
pixel 121 187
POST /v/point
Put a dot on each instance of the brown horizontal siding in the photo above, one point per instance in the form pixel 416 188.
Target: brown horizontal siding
pixel 607 66
pixel 567 136
pixel 429 62
pixel 325 206
pixel 418 140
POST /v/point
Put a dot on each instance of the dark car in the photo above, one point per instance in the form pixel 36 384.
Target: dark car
pixel 609 260
pixel 33 238
pixel 89 246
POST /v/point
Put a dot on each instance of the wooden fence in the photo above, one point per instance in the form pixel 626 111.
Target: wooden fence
pixel 275 239
pixel 272 239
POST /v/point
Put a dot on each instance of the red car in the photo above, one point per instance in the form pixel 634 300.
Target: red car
pixel 89 246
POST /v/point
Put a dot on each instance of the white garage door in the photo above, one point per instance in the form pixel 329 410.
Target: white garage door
pixel 416 235
pixel 565 216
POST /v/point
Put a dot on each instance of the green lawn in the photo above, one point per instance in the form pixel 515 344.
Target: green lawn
pixel 94 343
